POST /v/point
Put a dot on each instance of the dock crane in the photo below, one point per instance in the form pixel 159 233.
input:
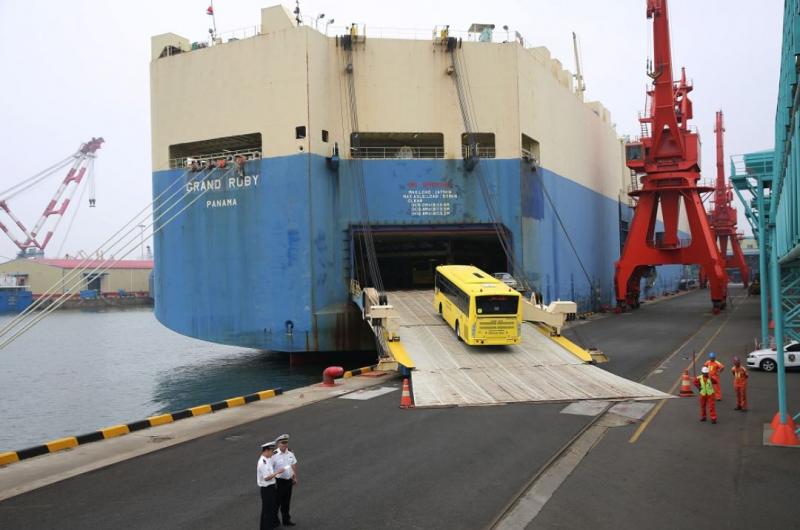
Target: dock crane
pixel 723 215
pixel 79 163
pixel 666 159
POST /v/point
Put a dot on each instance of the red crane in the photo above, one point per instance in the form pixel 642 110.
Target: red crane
pixel 79 162
pixel 667 163
pixel 723 216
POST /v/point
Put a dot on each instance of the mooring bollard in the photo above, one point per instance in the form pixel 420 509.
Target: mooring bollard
pixel 330 373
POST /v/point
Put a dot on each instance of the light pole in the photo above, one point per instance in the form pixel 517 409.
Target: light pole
pixel 316 20
pixel 328 23
pixel 141 234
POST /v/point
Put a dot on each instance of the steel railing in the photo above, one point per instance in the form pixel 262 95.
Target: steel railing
pixel 402 152
pixel 483 152
pixel 204 159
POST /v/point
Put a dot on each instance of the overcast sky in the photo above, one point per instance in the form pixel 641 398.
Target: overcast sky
pixel 79 68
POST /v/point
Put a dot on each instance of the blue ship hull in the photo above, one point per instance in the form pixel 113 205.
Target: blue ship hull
pixel 266 263
pixel 14 300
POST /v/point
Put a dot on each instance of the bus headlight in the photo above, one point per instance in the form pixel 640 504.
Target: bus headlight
pixel 474 330
pixel 519 329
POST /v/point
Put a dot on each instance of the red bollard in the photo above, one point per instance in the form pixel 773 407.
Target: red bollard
pixel 330 373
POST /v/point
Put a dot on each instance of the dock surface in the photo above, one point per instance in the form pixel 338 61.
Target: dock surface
pixel 369 464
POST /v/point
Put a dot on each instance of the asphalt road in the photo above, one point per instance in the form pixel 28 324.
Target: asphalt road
pixel 681 473
pixel 362 464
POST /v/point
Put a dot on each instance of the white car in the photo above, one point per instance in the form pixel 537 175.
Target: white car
pixel 507 279
pixel 767 359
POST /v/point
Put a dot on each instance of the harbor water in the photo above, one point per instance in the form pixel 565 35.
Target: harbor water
pixel 77 372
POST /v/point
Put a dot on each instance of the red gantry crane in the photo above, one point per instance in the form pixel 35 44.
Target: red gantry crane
pixel 723 216
pixel 667 161
pixel 78 162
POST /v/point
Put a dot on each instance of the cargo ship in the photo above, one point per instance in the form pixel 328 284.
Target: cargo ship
pixel 290 160
pixel 14 296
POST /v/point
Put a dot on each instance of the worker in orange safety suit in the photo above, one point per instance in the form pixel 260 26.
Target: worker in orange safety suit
pixel 715 368
pixel 705 382
pixel 739 384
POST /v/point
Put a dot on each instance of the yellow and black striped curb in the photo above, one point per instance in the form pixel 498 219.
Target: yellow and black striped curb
pixel 119 430
pixel 359 371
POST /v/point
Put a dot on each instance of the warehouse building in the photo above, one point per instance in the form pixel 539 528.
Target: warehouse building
pixel 112 278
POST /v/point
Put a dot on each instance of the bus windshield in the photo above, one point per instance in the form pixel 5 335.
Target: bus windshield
pixel 496 305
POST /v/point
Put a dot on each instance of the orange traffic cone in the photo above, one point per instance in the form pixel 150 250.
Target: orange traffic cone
pixel 405 396
pixel 686 385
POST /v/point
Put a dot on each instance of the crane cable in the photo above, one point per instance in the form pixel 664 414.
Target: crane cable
pixel 358 175
pixel 75 210
pixel 466 107
pixel 35 179
pixel 100 270
pixel 86 260
pixel 465 103
pixel 104 247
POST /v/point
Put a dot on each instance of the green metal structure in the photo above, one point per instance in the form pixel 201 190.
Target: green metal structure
pixel 775 216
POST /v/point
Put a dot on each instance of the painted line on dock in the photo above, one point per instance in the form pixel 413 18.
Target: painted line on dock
pixel 114 431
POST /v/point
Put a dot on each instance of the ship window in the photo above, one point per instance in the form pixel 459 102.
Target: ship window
pixel 324 135
pixel 203 152
pixel 300 132
pixel 484 143
pixel 530 149
pixel 396 145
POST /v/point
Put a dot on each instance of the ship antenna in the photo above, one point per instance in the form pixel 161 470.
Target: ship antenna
pixel 210 11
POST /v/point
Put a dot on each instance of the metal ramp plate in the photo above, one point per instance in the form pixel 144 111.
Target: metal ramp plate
pixel 450 373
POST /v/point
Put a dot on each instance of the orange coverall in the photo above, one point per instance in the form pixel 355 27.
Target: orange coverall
pixel 740 386
pixel 707 398
pixel 714 369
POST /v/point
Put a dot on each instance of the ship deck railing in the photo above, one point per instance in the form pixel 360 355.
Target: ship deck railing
pixel 228 155
pixel 483 152
pixel 400 152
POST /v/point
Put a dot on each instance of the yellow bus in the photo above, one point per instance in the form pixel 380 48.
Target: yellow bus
pixel 481 309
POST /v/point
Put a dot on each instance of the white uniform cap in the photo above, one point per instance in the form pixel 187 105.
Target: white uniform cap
pixel 282 437
pixel 268 445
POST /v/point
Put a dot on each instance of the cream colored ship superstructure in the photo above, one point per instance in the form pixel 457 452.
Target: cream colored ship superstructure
pixel 268 144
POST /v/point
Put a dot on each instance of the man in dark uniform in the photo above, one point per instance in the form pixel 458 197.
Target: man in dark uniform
pixel 284 459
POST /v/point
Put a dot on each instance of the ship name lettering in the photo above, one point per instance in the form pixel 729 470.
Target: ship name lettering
pixel 204 185
pixel 221 203
pixel 243 182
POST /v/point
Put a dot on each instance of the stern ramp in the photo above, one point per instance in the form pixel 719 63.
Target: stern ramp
pixel 447 372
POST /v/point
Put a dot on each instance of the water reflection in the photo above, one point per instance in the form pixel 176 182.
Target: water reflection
pixel 79 371
pixel 231 376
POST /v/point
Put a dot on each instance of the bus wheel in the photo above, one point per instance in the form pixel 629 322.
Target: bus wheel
pixel 440 309
pixel 458 336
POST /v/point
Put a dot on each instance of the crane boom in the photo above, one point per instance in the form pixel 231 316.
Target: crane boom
pixel 723 219
pixel 30 245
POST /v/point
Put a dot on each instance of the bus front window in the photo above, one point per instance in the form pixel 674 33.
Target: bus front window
pixel 497 305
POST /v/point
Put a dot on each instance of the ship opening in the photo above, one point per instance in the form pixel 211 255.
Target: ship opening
pixel 408 256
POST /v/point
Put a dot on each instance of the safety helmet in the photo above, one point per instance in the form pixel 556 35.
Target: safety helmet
pixel 704 369
pixel 712 355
